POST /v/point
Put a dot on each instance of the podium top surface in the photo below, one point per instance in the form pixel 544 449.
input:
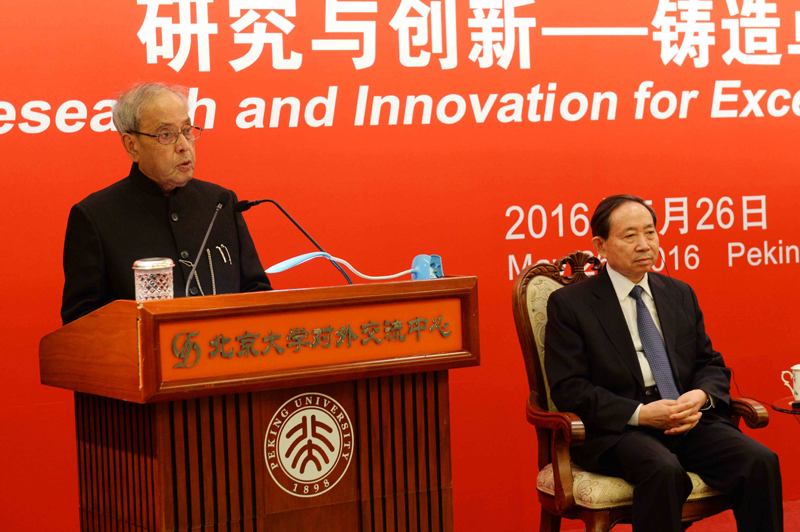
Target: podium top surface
pixel 199 346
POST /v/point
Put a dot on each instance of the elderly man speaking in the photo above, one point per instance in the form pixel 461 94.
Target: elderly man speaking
pixel 158 210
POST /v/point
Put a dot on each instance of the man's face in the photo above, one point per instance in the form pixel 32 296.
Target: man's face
pixel 632 245
pixel 170 166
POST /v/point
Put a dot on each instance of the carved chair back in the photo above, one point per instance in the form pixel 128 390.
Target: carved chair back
pixel 531 291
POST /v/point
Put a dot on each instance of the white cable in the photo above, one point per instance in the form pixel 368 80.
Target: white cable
pixel 300 259
pixel 370 277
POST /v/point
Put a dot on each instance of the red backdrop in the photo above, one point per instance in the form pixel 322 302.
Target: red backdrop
pixel 474 183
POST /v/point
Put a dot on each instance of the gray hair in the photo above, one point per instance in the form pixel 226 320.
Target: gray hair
pixel 128 108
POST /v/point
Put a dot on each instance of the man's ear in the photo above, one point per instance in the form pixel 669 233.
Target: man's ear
pixel 599 245
pixel 131 145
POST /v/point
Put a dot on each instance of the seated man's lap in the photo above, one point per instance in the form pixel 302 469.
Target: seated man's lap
pixel 720 453
pixel 639 454
pixel 717 451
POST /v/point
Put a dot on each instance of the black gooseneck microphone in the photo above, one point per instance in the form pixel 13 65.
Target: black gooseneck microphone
pixel 222 200
pixel 244 205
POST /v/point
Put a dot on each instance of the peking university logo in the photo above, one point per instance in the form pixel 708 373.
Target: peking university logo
pixel 308 445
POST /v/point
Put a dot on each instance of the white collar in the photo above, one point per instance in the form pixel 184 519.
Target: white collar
pixel 623 286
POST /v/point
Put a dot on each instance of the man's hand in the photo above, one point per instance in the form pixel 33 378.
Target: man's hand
pixel 674 417
pixel 689 413
pixel 658 414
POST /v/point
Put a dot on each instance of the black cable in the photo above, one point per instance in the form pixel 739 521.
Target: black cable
pixel 244 205
pixel 733 378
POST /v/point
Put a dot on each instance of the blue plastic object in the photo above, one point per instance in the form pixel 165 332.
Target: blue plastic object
pixel 427 267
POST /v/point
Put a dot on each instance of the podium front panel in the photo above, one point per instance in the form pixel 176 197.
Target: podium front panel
pixel 234 343
pixel 280 343
pixel 370 454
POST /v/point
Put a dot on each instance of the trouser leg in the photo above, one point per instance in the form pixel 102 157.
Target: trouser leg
pixel 742 468
pixel 661 485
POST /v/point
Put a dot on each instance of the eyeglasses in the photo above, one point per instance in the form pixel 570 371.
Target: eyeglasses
pixel 170 136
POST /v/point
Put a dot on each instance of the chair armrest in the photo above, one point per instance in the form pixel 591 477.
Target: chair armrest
pixel 754 414
pixel 566 429
pixel 566 423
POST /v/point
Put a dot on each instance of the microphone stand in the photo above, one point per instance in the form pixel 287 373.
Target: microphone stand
pixel 244 205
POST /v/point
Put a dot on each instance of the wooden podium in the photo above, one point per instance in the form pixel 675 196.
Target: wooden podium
pixel 319 409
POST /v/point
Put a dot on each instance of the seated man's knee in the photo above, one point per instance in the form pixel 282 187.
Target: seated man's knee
pixel 764 458
pixel 668 469
pixel 755 465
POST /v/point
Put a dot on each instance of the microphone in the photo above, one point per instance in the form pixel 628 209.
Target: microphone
pixel 245 205
pixel 222 200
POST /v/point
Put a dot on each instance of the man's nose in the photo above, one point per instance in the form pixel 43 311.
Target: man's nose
pixel 183 143
pixel 641 242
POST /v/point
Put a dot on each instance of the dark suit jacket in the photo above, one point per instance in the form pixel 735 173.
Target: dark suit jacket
pixel 592 365
pixel 131 220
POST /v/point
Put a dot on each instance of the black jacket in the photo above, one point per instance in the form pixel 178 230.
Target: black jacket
pixel 131 220
pixel 592 365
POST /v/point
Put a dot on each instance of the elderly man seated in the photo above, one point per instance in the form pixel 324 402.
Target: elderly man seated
pixel 627 351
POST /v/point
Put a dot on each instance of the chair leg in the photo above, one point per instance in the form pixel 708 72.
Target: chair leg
pixel 549 522
pixel 598 522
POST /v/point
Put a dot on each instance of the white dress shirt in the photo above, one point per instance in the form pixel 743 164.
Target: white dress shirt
pixel 622 287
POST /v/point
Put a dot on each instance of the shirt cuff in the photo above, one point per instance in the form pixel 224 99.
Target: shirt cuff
pixel 634 420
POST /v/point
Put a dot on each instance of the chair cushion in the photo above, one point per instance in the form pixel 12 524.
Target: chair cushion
pixel 599 492
pixel 539 289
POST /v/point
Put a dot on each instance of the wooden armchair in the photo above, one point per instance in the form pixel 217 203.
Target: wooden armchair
pixel 564 489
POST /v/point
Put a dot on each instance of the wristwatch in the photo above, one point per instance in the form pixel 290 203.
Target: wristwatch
pixel 709 404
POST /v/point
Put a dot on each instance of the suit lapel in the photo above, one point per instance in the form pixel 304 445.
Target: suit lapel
pixel 666 315
pixel 609 313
